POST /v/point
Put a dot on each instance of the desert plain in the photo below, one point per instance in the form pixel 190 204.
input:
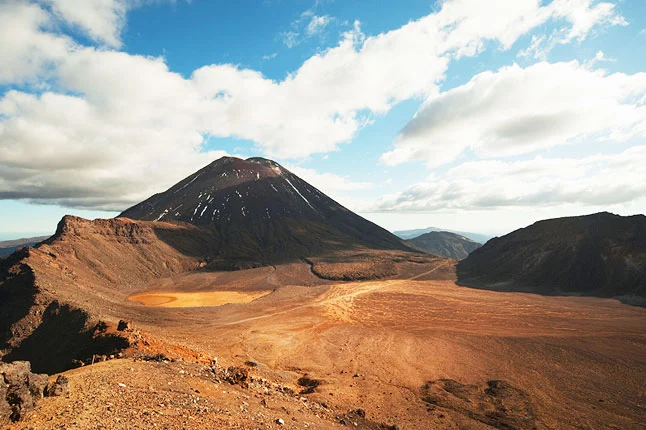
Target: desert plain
pixel 410 353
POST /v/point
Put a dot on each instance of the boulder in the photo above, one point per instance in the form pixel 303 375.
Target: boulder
pixel 5 408
pixel 21 401
pixel 123 325
pixel 20 389
pixel 59 388
pixel 236 375
pixel 37 384
pixel 15 373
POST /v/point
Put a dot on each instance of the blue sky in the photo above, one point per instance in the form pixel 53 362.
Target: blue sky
pixel 459 114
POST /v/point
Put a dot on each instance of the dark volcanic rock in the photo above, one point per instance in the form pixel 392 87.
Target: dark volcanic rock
pixel 255 212
pixel 37 384
pixel 309 384
pixel 445 244
pixel 20 389
pixel 357 419
pixel 123 325
pixel 59 388
pixel 236 375
pixel 16 373
pixel 601 255
pixel 5 407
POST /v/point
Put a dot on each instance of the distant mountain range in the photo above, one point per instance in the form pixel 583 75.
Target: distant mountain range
pixel 9 246
pixel 410 234
pixel 601 255
pixel 445 244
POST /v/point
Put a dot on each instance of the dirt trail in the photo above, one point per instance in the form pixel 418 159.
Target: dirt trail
pixel 339 301
pixel 435 269
pixel 339 298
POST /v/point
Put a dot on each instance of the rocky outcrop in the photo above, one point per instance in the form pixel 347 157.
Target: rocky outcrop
pixel 53 297
pixel 60 387
pixel 64 338
pixel 20 389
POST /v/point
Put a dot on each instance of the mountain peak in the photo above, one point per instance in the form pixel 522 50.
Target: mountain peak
pixel 227 163
pixel 229 189
pixel 258 209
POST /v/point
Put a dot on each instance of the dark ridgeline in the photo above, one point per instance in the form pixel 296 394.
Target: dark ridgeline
pixel 252 212
pixel 9 246
pixel 445 244
pixel 601 255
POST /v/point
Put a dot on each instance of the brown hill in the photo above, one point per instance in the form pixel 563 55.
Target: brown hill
pixel 53 296
pixel 601 255
pixel 255 212
pixel 445 244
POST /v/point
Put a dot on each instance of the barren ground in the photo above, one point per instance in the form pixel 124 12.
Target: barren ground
pixel 417 353
pixel 196 299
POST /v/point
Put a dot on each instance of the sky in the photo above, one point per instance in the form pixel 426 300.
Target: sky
pixel 461 114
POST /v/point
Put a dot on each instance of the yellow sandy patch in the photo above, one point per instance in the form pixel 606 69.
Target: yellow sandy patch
pixel 199 299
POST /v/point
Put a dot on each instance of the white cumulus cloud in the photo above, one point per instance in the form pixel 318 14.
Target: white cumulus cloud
pixel 521 110
pixel 594 181
pixel 26 49
pixel 102 128
pixel 102 20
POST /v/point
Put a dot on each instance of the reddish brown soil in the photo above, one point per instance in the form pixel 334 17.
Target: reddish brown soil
pixel 127 394
pixel 570 362
pixel 419 352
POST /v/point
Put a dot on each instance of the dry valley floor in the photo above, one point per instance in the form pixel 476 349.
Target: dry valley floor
pixel 413 353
